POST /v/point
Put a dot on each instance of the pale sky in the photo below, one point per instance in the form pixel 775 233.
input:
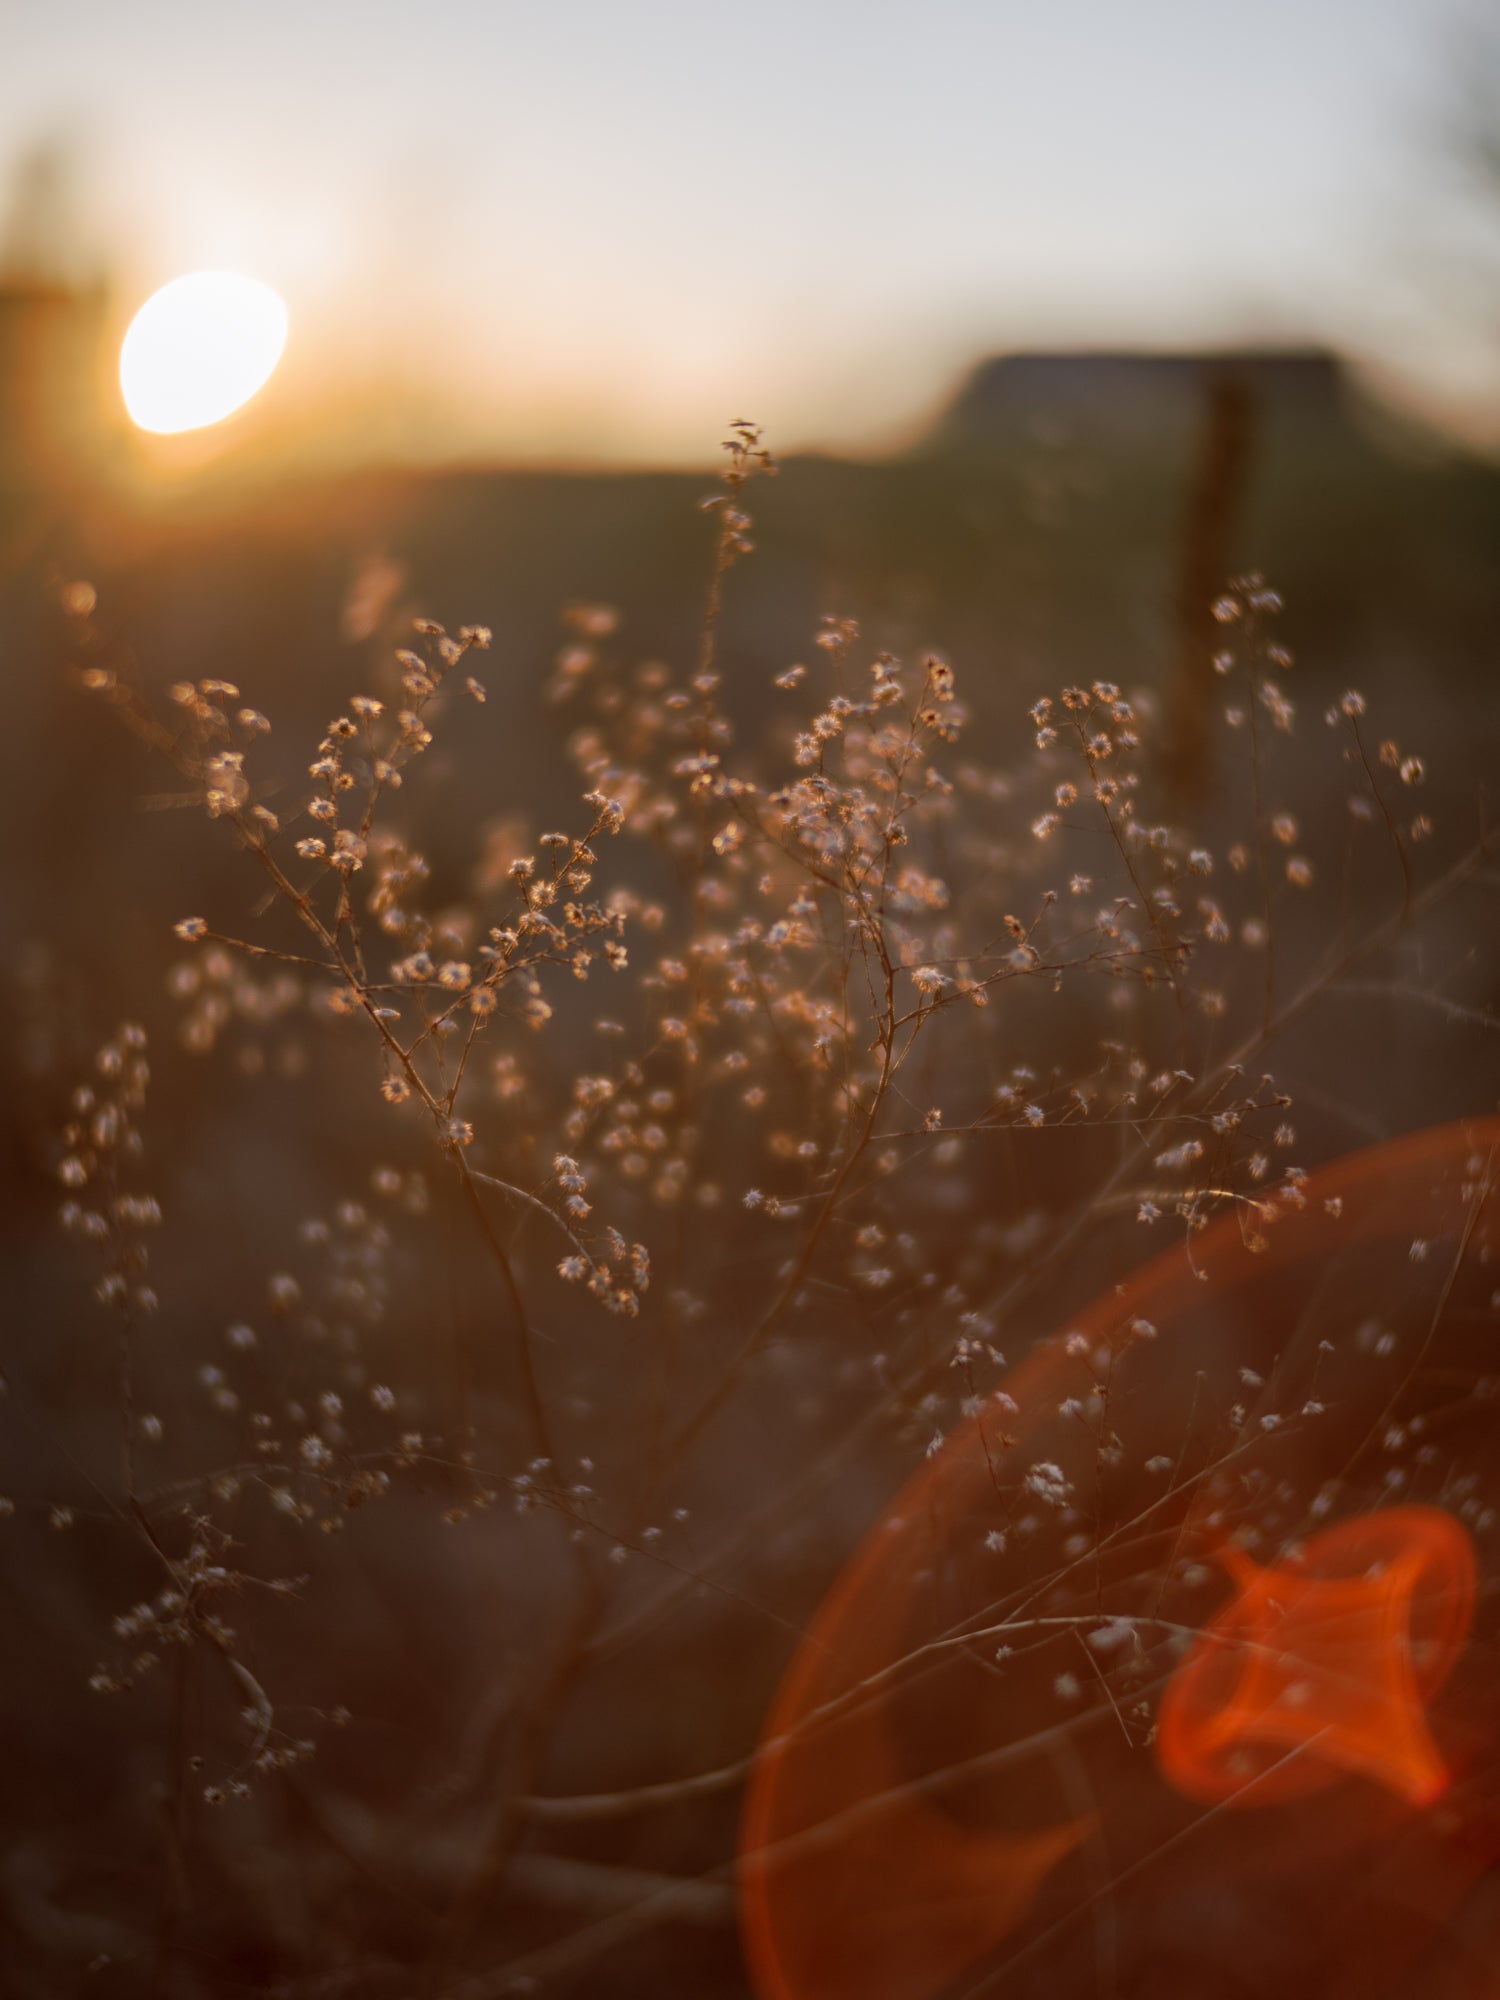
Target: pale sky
pixel 599 229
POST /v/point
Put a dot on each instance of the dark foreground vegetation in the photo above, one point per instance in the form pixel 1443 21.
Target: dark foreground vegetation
pixel 525 1133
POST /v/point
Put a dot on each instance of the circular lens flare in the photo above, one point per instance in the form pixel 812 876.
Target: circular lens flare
pixel 1221 1542
pixel 199 349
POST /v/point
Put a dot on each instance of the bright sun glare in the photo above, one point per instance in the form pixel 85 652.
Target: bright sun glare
pixel 199 348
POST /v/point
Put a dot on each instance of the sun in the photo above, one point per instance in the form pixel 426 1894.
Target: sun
pixel 199 348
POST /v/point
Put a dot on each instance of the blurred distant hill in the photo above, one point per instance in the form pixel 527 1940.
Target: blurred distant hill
pixel 1135 398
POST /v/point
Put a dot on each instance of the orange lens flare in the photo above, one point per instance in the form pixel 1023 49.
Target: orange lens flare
pixel 991 1770
pixel 1320 1666
pixel 906 1902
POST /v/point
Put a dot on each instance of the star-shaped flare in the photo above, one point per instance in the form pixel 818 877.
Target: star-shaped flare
pixel 1321 1665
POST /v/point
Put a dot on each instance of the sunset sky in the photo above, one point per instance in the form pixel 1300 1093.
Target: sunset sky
pixel 596 229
